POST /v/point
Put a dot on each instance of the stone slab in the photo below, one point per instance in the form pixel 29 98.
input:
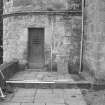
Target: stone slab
pixel 44 91
pixel 49 98
pixel 22 99
pixel 25 92
pixel 54 104
pixel 10 103
pixel 58 91
pixel 73 97
pixel 72 91
pixel 33 104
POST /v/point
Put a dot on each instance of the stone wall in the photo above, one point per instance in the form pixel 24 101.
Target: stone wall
pixel 62 34
pixel 94 39
pixel 62 31
pixel 33 5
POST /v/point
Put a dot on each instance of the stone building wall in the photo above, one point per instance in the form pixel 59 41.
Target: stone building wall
pixel 63 35
pixel 66 34
pixel 62 31
pixel 94 38
pixel 33 5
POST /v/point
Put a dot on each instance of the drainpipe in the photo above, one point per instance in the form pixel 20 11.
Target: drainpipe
pixel 51 53
pixel 82 37
pixel 52 41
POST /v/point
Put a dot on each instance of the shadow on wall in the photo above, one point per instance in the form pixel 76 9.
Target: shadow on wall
pixel 1 55
pixel 87 72
pixel 73 68
pixel 51 67
pixel 24 64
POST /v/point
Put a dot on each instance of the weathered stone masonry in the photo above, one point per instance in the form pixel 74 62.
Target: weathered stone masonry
pixel 94 38
pixel 62 30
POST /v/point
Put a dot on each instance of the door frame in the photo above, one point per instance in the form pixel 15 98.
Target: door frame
pixel 29 45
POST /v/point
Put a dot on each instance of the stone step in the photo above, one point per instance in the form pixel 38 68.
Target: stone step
pixel 49 84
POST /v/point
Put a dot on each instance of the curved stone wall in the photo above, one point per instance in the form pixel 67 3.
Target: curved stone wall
pixel 62 30
pixel 37 5
pixel 64 33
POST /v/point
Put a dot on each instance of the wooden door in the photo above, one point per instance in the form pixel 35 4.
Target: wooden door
pixel 36 48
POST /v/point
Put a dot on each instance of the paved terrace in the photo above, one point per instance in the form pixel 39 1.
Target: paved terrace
pixel 51 96
pixel 45 76
pixel 23 96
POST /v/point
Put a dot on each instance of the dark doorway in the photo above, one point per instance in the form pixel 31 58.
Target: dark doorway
pixel 36 48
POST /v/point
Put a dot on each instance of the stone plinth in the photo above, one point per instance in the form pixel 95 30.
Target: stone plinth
pixel 62 67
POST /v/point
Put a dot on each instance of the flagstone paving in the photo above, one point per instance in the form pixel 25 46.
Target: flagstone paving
pixel 38 96
pixel 23 96
pixel 42 76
